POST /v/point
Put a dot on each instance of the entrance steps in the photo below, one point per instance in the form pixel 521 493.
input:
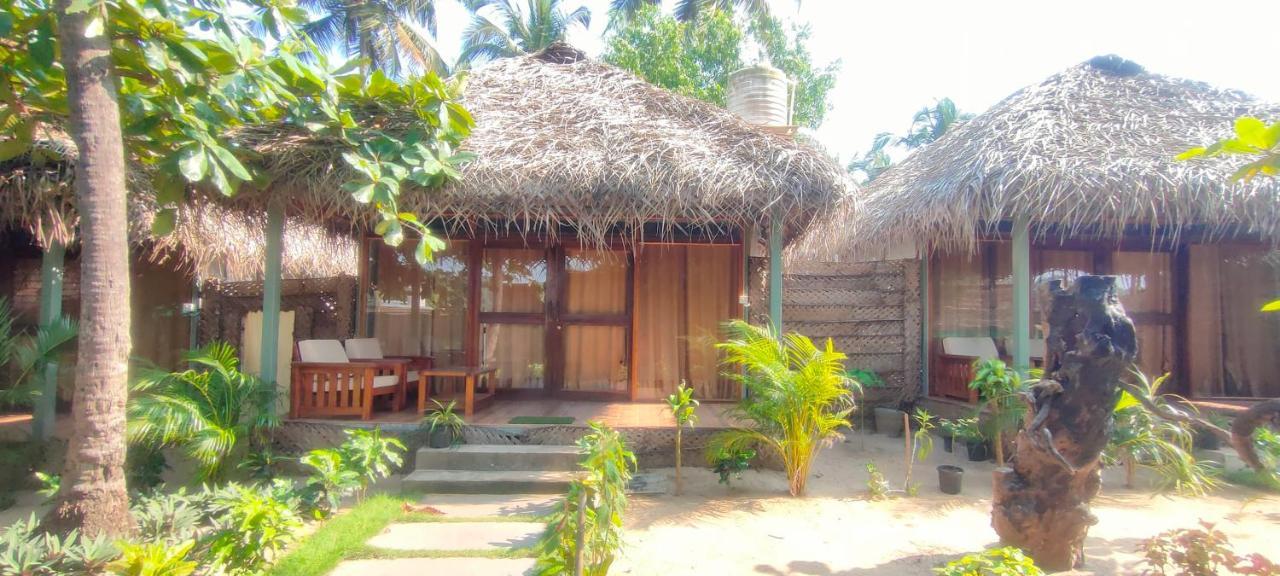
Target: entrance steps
pixel 494 469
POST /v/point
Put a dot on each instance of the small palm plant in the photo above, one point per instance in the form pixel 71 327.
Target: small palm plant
pixel 798 397
pixel 212 411
pixel 998 387
pixel 921 442
pixel 683 409
pixel 27 355
pixel 1141 438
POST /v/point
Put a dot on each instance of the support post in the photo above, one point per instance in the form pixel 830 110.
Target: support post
pixel 1021 295
pixel 775 274
pixel 925 302
pixel 271 280
pixel 51 275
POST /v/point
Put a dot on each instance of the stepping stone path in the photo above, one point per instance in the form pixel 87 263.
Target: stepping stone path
pixel 486 522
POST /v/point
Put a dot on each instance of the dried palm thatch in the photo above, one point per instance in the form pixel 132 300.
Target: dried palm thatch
pixel 1088 152
pixel 211 241
pixel 566 142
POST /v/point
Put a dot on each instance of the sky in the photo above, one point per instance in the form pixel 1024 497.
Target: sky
pixel 900 55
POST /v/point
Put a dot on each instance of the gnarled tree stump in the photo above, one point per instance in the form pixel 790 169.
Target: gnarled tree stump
pixel 1041 504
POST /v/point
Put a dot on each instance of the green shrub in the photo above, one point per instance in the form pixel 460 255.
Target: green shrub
pixel 798 397
pixel 371 456
pixel 24 356
pixel 999 388
pixel 328 481
pixel 24 550
pixel 1007 561
pixel 1199 552
pixel 601 495
pixel 213 413
pixel 252 528
pixel 174 517
pixel 366 456
pixel 731 463
pixel 1141 438
pixel 877 485
pixel 154 559
pixel 683 408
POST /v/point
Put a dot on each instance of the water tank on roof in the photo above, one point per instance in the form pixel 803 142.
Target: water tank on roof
pixel 760 94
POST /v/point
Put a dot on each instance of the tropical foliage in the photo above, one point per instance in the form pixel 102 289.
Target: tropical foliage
pixel 798 397
pixel 25 549
pixel 999 388
pixel 506 28
pixel 923 424
pixel 1141 438
pixel 683 408
pixel 730 465
pixel 1007 561
pixel 695 57
pixel 212 411
pixel 1203 551
pixel 1253 138
pixel 594 506
pixel 387 34
pixel 24 356
pixel 624 11
pixel 874 161
pixel 931 122
pixel 191 71
pixel 444 420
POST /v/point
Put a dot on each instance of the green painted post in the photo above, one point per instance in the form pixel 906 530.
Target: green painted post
pixel 51 272
pixel 1021 295
pixel 775 274
pixel 924 326
pixel 271 293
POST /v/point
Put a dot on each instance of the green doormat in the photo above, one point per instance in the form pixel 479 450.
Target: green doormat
pixel 542 420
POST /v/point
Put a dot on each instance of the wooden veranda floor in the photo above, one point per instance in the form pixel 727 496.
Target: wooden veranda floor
pixel 615 414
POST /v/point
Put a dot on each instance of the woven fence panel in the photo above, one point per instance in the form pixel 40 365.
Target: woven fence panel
pixel 323 307
pixel 870 310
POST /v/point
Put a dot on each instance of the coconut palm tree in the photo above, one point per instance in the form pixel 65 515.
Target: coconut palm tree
pixel 389 33
pixel 504 28
pixel 688 10
pixel 875 160
pixel 93 497
pixel 931 122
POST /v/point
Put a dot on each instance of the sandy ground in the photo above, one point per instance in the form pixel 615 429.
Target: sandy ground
pixel 754 527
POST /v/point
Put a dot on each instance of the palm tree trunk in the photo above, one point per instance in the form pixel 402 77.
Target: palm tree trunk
pixel 93 496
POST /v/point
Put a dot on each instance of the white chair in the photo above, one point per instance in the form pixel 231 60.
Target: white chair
pixel 371 349
pixel 326 382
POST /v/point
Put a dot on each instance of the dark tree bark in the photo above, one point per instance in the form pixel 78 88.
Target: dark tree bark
pixel 1042 504
pixel 93 496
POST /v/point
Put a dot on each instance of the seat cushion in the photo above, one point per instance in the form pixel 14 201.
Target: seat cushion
pixel 971 346
pixel 1036 348
pixel 329 351
pixel 363 349
pixel 385 381
pixel 411 376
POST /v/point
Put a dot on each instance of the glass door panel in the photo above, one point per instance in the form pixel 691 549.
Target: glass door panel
pixel 513 300
pixel 1145 289
pixel 419 310
pixel 594 323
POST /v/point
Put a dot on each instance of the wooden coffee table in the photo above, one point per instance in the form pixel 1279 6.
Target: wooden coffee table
pixel 470 375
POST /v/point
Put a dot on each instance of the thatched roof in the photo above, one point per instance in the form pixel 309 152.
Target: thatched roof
pixel 564 141
pixel 210 241
pixel 1089 151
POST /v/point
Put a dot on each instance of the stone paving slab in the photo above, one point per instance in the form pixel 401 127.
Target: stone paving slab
pixel 442 566
pixel 458 535
pixel 474 505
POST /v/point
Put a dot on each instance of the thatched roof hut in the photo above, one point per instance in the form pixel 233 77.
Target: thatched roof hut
pixel 209 241
pixel 566 142
pixel 1087 152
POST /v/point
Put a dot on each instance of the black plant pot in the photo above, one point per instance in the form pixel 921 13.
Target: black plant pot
pixel 950 478
pixel 978 450
pixel 948 444
pixel 440 439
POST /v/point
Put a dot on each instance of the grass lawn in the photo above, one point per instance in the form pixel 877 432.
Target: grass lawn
pixel 343 537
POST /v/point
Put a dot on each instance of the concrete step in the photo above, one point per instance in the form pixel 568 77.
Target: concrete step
pixel 490 481
pixel 406 566
pixel 458 536
pixel 495 457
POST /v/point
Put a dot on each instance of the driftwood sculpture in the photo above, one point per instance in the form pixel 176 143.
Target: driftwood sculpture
pixel 1041 504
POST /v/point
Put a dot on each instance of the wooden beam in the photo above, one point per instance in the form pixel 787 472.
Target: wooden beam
pixel 271 281
pixel 53 266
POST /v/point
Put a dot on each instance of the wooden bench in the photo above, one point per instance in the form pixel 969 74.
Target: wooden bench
pixel 469 374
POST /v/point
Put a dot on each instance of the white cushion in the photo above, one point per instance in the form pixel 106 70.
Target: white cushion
pixel 329 351
pixel 1036 348
pixel 363 349
pixel 384 381
pixel 971 346
pixel 411 376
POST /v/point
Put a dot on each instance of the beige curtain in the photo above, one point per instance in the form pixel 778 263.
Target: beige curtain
pixel 513 280
pixel 1145 282
pixel 683 295
pixel 595 355
pixel 517 350
pixel 417 310
pixel 963 299
pixel 1232 344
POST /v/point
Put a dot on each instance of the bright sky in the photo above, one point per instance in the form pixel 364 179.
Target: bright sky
pixel 899 55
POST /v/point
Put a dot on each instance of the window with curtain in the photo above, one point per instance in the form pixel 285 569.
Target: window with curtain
pixel 684 294
pixel 1145 285
pixel 595 321
pixel 419 310
pixel 512 296
pixel 1232 344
